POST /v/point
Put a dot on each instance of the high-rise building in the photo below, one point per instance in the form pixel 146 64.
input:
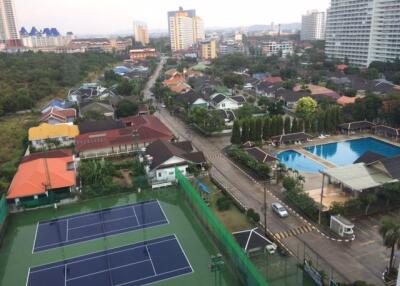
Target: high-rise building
pixel 185 29
pixel 313 26
pixel 141 33
pixel 363 31
pixel 8 22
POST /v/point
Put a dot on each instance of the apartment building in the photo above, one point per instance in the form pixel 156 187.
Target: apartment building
pixel 185 29
pixel 208 49
pixel 363 31
pixel 48 37
pixel 8 22
pixel 272 48
pixel 313 26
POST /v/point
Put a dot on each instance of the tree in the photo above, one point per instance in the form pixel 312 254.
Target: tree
pixel 236 135
pixel 94 115
pixel 126 108
pixel 231 80
pixel 124 88
pixel 245 131
pixel 198 116
pixel 294 126
pixel 287 125
pixel 306 107
pixel 266 129
pixel 253 130
pixel 246 111
pixel 368 200
pixel 259 128
pixel 390 232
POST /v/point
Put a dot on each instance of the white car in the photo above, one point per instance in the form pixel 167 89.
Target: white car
pixel 279 210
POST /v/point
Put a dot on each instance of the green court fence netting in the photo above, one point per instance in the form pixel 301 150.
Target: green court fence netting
pixel 3 210
pixel 232 252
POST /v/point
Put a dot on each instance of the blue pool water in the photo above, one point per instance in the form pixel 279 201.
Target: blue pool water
pixel 299 162
pixel 346 152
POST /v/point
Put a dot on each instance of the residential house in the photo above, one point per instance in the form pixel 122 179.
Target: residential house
pixel 99 126
pixel 356 127
pixel 191 100
pixel 291 138
pixel 57 116
pixel 41 173
pixel 125 136
pixel 177 83
pixel 56 104
pixel 45 135
pixel 345 100
pixel 262 157
pixel 268 90
pixel 220 101
pixel 163 157
pixel 290 98
pixel 143 110
pixel 318 92
pixel 98 107
pixel 273 80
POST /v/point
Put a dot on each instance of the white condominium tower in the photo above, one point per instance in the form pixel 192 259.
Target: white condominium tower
pixel 8 26
pixel 185 29
pixel 363 31
pixel 313 26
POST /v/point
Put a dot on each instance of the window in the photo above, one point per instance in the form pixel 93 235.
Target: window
pixel 159 174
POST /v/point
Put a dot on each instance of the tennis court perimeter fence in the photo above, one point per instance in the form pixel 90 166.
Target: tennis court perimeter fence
pixel 235 256
pixel 3 217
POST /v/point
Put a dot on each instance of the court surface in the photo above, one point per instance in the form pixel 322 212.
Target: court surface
pixel 136 264
pixel 82 227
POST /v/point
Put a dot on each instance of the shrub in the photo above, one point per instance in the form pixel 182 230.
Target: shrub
pixel 253 216
pixel 224 203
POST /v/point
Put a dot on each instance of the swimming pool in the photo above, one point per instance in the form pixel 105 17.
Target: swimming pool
pixel 299 162
pixel 346 152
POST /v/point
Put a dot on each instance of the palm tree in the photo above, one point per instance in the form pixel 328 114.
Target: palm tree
pixel 390 232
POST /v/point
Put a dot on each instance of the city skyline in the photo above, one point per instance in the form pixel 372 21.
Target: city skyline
pixel 76 16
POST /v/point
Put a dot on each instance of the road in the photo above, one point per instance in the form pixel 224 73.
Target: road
pixel 350 260
pixel 147 94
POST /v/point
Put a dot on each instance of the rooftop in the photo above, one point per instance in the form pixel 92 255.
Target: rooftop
pixel 46 131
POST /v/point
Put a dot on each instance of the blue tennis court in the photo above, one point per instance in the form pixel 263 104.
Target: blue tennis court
pixel 88 226
pixel 137 264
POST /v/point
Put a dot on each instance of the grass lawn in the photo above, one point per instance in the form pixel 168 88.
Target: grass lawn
pixel 13 140
pixel 233 219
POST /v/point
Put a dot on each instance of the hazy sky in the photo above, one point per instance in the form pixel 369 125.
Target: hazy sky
pixel 114 16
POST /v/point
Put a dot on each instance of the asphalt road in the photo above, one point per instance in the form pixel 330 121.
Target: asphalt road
pixel 362 259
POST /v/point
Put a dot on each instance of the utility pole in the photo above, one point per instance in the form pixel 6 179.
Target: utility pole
pixel 265 207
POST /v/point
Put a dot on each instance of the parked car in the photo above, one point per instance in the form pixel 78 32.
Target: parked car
pixel 279 210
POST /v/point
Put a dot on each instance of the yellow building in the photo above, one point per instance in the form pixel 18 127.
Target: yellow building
pixel 63 134
pixel 208 50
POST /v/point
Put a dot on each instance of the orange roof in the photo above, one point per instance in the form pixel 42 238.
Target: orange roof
pixel 273 79
pixel 341 67
pixel 344 100
pixel 42 173
pixel 180 87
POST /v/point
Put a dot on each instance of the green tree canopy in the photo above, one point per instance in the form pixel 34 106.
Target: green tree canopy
pixel 126 108
pixel 306 107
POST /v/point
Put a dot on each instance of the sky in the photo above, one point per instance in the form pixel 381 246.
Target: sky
pixel 84 17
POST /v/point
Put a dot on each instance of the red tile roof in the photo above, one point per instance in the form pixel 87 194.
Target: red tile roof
pixel 41 172
pixel 61 114
pixel 140 129
pixel 273 79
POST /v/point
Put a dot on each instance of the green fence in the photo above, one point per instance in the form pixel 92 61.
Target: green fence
pixel 232 252
pixel 3 210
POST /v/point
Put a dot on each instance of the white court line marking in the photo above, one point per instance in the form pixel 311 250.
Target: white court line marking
pixel 78 216
pixel 27 277
pixel 66 236
pixel 98 235
pixel 108 269
pixel 165 216
pixel 110 252
pixel 65 275
pixel 102 222
pixel 183 251
pixel 151 260
pixel 34 240
pixel 173 277
pixel 137 220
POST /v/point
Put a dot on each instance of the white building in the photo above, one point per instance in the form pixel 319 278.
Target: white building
pixel 222 102
pixel 185 29
pixel 275 48
pixel 141 33
pixel 46 38
pixel 363 31
pixel 8 21
pixel 313 26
